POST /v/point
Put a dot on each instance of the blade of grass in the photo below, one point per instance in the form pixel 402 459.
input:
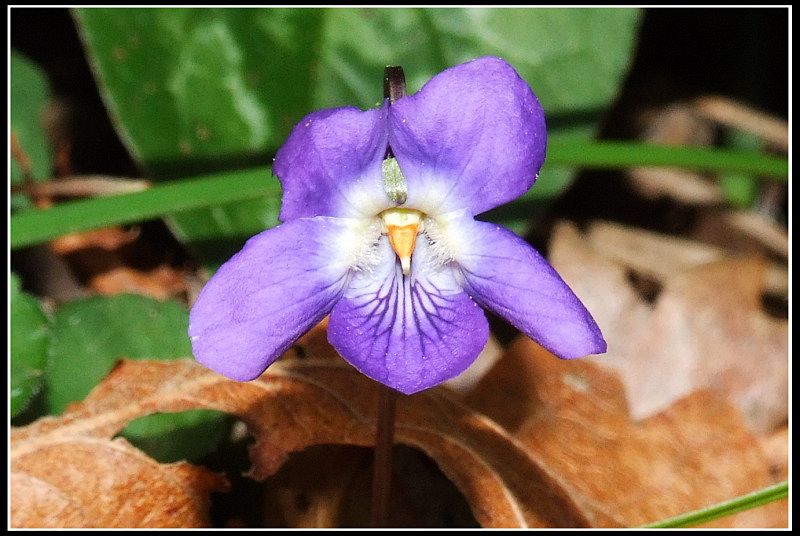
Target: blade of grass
pixel 616 154
pixel 726 508
pixel 34 226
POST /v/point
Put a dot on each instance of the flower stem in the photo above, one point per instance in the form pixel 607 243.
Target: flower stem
pixel 394 87
pixel 394 83
pixel 382 468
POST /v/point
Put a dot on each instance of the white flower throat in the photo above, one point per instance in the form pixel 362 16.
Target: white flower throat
pixel 401 226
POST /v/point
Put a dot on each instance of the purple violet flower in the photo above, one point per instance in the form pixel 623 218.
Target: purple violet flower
pixel 390 248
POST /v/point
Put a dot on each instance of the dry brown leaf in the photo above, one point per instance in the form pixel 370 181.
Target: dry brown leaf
pixel 705 329
pixel 47 274
pixel 68 479
pixel 727 112
pixel 776 448
pixel 685 186
pixel 743 232
pixel 572 415
pixel 330 486
pixel 663 256
pixel 106 239
pixel 309 491
pixel 654 254
pixel 160 283
pixel 299 403
pixel 106 260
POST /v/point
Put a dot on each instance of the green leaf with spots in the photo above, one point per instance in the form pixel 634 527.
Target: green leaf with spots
pixel 90 335
pixel 195 90
pixel 30 336
pixel 29 95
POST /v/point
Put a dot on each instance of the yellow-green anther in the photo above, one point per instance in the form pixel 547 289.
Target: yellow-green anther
pixel 394 182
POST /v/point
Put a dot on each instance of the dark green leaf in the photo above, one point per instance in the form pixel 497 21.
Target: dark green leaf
pixel 573 59
pixel 92 334
pixel 30 335
pixel 171 437
pixel 29 95
pixel 207 89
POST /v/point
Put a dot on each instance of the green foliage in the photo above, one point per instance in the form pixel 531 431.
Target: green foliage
pixel 208 89
pixel 254 185
pixel 29 95
pixel 90 335
pixel 30 330
pixel 171 437
pixel 110 328
pixel 32 154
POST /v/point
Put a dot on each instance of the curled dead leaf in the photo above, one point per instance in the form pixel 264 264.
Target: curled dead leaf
pixel 309 490
pixel 573 417
pixel 705 327
pixel 74 480
pixel 299 403
pixel 105 239
pixel 329 486
pixel 730 113
pixel 776 448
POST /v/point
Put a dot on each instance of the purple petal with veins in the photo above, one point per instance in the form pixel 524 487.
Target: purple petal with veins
pixel 409 333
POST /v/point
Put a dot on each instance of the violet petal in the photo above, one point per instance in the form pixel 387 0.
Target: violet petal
pixel 507 276
pixel 412 332
pixel 331 164
pixel 472 138
pixel 259 302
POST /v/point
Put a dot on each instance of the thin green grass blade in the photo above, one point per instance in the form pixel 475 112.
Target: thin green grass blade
pixel 34 226
pixel 617 154
pixel 726 508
